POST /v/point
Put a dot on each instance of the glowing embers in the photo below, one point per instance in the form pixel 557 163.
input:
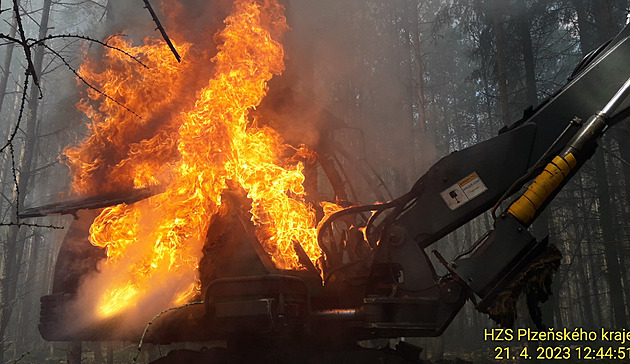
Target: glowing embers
pixel 154 246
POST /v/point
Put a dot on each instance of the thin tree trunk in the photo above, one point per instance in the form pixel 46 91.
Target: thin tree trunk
pixel 8 56
pixel 14 242
pixel 523 26
pixel 583 279
pixel 613 266
pixel 32 283
pixel 419 130
pixel 110 352
pixel 592 287
pixel 96 348
pixel 497 23
pixel 73 354
pixel 587 41
pixel 623 139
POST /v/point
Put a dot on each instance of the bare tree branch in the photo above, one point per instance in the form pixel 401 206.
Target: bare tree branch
pixel 104 44
pixel 67 4
pixel 16 184
pixel 88 84
pixel 27 50
pixel 17 125
pixel 10 39
pixel 161 29
pixel 27 44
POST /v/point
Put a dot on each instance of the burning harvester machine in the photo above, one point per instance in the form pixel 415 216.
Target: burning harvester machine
pixel 376 279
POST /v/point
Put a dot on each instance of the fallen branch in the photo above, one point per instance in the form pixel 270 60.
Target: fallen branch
pixel 20 224
pixel 90 203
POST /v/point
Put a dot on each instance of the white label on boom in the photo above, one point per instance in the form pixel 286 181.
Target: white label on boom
pixel 463 191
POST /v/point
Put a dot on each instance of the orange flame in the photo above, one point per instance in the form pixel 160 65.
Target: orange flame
pixel 199 148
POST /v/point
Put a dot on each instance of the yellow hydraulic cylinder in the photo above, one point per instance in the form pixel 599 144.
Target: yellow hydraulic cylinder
pixel 526 206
